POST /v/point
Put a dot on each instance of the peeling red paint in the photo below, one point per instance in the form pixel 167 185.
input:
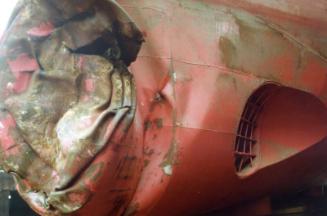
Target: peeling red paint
pixel 43 30
pixel 8 145
pixel 81 61
pixel 23 63
pixel 21 67
pixel 89 85
pixel 21 83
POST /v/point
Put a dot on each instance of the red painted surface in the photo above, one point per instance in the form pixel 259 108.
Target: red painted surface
pixel 200 63
pixel 21 67
pixel 202 99
pixel 43 30
pixel 7 142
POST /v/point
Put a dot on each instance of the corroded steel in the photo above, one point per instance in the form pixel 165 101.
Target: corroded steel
pixel 84 136
pixel 63 102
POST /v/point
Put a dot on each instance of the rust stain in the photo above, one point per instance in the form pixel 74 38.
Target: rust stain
pixel 159 122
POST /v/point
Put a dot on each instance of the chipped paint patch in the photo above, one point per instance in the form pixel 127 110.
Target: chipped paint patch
pixel 132 209
pixel 169 161
pixel 168 170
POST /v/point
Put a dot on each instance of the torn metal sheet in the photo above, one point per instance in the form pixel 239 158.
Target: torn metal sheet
pixel 68 99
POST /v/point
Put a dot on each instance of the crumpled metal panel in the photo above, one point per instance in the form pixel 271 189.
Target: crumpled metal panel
pixel 81 134
pixel 66 104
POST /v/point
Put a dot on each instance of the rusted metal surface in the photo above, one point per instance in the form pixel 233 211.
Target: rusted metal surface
pixel 64 100
pixel 84 136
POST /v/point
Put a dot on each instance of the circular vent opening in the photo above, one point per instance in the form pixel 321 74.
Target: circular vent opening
pixel 246 145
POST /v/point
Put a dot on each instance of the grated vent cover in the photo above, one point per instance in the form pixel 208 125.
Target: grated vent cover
pixel 246 148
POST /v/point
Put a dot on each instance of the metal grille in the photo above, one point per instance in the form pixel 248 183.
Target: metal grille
pixel 246 148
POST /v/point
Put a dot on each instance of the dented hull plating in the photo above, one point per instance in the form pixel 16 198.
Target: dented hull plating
pixel 199 64
pixel 193 77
